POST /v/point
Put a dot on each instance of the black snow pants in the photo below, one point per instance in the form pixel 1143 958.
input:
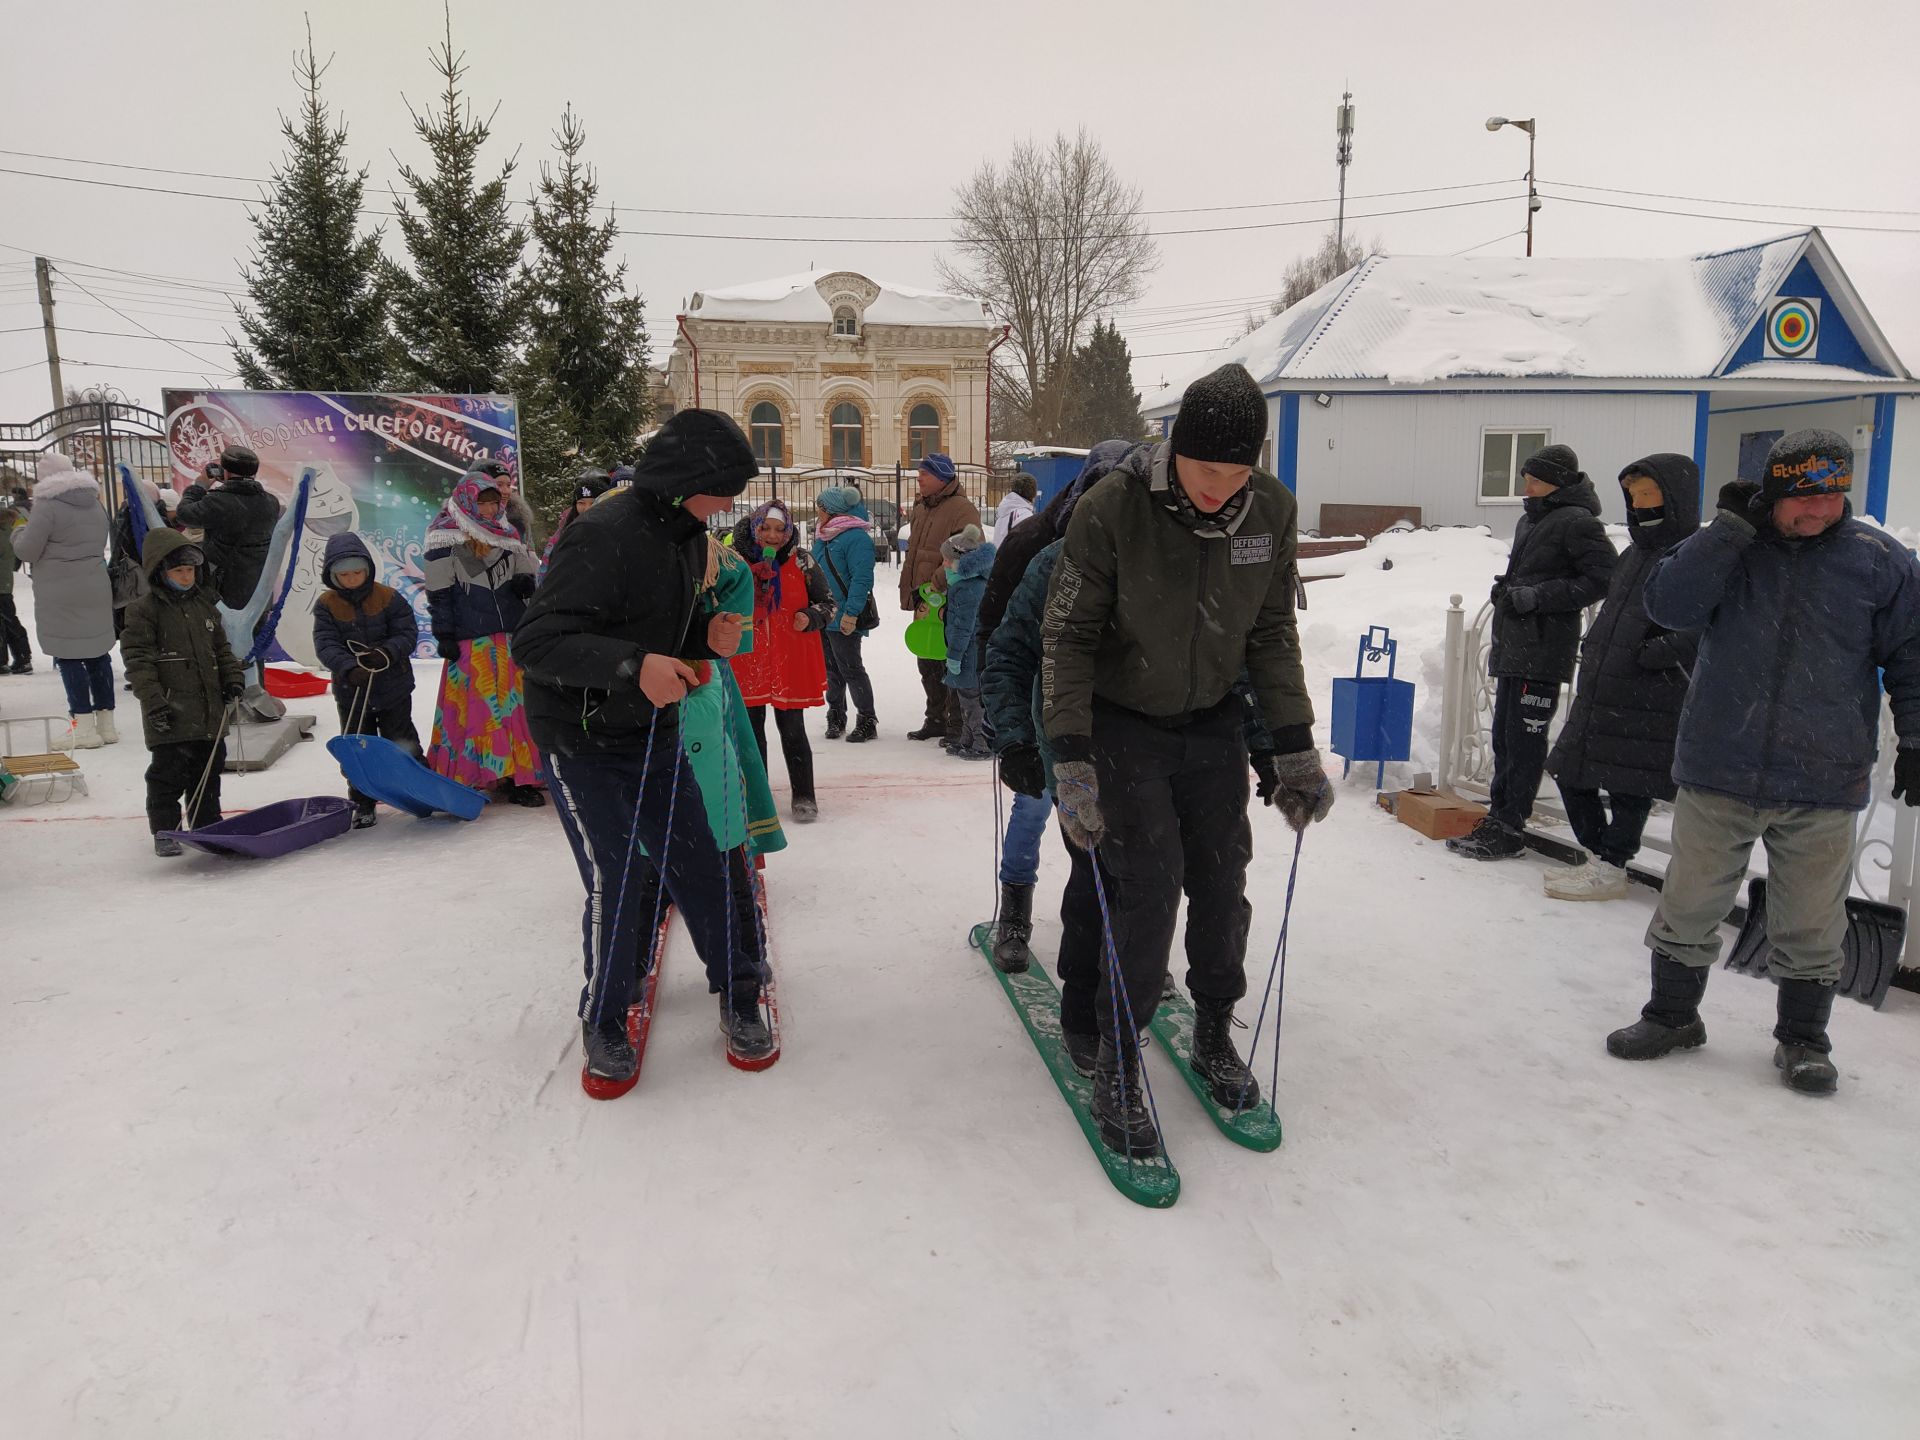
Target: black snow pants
pixel 1522 714
pixel 1174 799
pixel 173 774
pixel 604 810
pixel 392 721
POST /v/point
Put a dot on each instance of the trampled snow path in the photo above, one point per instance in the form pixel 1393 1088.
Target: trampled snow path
pixel 298 1149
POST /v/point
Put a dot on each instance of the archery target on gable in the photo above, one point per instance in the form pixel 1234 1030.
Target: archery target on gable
pixel 1793 328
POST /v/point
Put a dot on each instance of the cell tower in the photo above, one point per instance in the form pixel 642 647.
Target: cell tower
pixel 1343 155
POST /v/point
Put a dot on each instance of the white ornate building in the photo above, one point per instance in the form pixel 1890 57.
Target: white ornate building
pixel 838 369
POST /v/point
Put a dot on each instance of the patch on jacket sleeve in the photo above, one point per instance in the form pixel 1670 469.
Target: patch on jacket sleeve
pixel 1252 550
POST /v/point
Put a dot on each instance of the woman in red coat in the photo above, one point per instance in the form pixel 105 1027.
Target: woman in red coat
pixel 786 668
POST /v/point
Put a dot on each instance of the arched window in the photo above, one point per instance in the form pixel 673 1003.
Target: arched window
pixel 923 432
pixel 767 427
pixel 848 432
pixel 845 322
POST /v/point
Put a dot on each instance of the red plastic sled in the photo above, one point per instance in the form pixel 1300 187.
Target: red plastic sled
pixel 639 1022
pixel 293 684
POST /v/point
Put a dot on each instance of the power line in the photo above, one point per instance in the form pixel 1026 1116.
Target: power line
pixel 1741 204
pixel 1495 241
pixel 1726 219
pixel 202 372
pixel 138 326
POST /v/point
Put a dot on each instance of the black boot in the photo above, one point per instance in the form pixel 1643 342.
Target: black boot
pixel 932 730
pixel 165 846
pixel 1215 1059
pixel 867 727
pixel 527 796
pixel 1120 1104
pixel 748 1037
pixel 1670 1020
pixel 1489 840
pixel 609 1052
pixel 1802 1054
pixel 836 726
pixel 1082 1050
pixel 1012 952
pixel 364 817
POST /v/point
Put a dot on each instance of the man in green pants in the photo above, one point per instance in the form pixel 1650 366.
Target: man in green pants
pixel 1801 611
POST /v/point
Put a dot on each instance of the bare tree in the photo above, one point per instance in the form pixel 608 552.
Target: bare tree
pixel 1051 241
pixel 1310 272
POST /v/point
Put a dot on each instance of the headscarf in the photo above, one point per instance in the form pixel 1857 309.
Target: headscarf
pixel 459 519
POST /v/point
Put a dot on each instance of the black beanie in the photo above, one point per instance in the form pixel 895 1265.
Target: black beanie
pixel 1807 462
pixel 1223 418
pixel 697 452
pixel 1557 465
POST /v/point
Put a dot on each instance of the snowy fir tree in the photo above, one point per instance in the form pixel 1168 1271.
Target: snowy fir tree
pixel 459 314
pixel 1102 404
pixel 583 385
pixel 318 289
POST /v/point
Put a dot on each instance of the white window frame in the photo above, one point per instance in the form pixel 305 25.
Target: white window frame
pixel 1517 493
pixel 852 319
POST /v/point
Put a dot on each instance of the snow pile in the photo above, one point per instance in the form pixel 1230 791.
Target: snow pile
pixel 1402 580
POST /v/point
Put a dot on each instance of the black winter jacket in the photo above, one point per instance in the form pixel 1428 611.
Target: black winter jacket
pixel 237 521
pixel 176 653
pixel 620 586
pixel 1560 563
pixel 1633 673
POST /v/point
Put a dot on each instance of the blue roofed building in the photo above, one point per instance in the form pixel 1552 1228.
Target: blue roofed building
pixel 1418 383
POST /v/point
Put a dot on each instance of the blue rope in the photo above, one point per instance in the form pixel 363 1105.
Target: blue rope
pixel 626 871
pixel 1277 981
pixel 1116 986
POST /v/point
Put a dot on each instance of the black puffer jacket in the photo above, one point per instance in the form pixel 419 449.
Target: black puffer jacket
pixel 176 652
pixel 620 586
pixel 1560 563
pixel 237 521
pixel 1633 673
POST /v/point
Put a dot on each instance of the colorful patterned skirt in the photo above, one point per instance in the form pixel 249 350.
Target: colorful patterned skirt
pixel 480 735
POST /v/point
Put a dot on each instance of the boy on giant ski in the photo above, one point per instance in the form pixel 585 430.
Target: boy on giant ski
pixel 1177 574
pixel 607 644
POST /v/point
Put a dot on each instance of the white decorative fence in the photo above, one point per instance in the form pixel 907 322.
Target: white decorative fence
pixel 1886 840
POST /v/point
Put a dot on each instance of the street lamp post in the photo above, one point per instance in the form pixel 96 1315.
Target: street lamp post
pixel 1533 196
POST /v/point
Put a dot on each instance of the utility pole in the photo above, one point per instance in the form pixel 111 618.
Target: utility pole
pixel 1343 156
pixel 43 273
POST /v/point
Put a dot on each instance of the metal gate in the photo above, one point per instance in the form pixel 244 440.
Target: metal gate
pixel 890 494
pixel 96 435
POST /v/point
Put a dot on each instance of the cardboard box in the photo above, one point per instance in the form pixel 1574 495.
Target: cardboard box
pixel 1437 815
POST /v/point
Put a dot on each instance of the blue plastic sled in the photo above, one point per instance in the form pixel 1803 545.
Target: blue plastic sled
pixel 272 830
pixel 380 768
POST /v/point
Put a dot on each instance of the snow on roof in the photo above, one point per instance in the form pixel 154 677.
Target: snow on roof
pixel 807 298
pixel 1410 320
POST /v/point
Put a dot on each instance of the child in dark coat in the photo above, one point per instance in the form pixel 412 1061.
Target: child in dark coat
pixel 969 558
pixel 365 633
pixel 185 676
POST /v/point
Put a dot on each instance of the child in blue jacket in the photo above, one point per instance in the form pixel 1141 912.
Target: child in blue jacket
pixel 969 558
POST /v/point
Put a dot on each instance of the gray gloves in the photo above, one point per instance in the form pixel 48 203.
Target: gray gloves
pixel 1302 792
pixel 1076 789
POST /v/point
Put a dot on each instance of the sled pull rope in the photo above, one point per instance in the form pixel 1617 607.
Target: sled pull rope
pixel 206 771
pixel 597 1009
pixel 999 830
pixel 361 653
pixel 1277 981
pixel 1117 990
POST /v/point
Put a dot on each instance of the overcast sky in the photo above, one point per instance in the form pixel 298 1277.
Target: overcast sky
pixel 859 110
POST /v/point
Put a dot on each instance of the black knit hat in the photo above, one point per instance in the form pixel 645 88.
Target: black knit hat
pixel 1557 465
pixel 1223 417
pixel 697 452
pixel 1807 462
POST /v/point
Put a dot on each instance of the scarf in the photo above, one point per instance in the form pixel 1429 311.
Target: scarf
pixel 1217 526
pixel 459 520
pixel 840 524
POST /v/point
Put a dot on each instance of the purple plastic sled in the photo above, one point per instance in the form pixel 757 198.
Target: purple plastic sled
pixel 272 830
pixel 380 768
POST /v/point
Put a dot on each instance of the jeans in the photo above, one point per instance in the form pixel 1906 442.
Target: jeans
pixel 89 684
pixel 846 671
pixel 1616 838
pixel 1522 713
pixel 1026 828
pixel 1809 871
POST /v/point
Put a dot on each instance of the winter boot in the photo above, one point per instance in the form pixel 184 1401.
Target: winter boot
pixel 836 726
pixel 1670 1020
pixel 1803 1051
pixel 1120 1104
pixel 166 847
pixel 867 727
pixel 932 730
pixel 1083 1051
pixel 748 1037
pixel 23 667
pixel 1217 1062
pixel 1012 953
pixel 1598 881
pixel 103 720
pixel 83 734
pixel 527 796
pixel 1489 840
pixel 806 810
pixel 612 1064
pixel 363 816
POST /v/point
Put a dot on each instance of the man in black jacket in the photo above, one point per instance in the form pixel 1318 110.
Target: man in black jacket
pixel 236 521
pixel 606 645
pixel 1560 563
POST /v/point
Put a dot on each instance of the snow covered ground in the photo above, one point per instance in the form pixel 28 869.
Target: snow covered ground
pixel 298 1149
